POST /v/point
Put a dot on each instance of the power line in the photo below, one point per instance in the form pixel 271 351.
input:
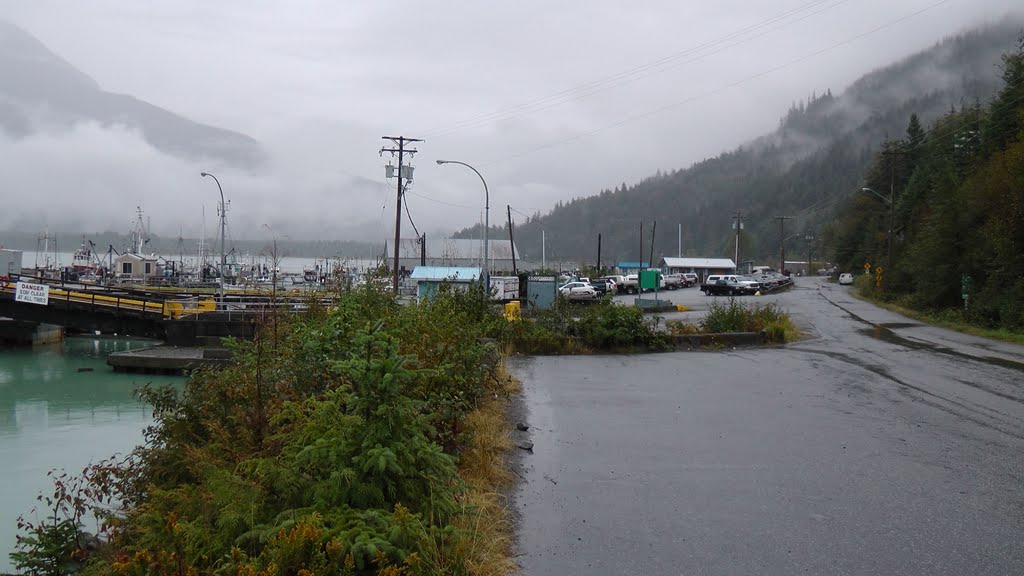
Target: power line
pixel 452 204
pixel 721 89
pixel 624 77
pixel 406 201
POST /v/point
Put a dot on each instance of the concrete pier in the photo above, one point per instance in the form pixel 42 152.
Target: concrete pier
pixel 24 333
pixel 169 359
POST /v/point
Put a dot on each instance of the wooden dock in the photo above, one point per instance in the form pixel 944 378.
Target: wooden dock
pixel 165 359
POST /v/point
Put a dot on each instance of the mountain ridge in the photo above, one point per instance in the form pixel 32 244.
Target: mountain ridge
pixel 40 90
pixel 815 157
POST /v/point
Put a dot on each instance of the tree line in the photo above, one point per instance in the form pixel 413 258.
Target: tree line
pixel 956 218
pixel 806 168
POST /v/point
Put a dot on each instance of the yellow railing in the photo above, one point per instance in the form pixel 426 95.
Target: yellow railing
pixel 169 308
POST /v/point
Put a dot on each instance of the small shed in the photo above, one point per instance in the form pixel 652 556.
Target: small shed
pixel 10 262
pixel 542 291
pixel 702 267
pixel 429 278
pixel 132 266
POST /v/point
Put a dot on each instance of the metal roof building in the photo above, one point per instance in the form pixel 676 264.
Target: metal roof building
pixel 453 273
pixel 429 278
pixel 629 267
pixel 702 267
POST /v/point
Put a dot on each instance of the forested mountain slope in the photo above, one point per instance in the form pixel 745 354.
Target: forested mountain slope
pixel 815 159
pixel 957 212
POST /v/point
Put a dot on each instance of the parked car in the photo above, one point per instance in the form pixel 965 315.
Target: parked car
pixel 630 284
pixel 603 286
pixel 750 285
pixel 578 291
pixel 690 279
pixel 615 281
pixel 722 287
pixel 846 278
pixel 618 279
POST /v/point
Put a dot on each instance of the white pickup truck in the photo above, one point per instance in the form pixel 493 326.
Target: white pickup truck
pixel 673 281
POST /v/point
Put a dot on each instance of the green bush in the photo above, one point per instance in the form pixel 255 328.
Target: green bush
pixel 571 327
pixel 734 316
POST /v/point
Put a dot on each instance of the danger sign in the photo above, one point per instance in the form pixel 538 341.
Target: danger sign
pixel 32 293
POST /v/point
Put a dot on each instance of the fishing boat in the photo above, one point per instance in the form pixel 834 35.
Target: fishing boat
pixel 84 261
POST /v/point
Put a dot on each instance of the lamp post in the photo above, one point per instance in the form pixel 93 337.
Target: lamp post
pixel 273 259
pixel 487 220
pixel 223 223
pixel 892 219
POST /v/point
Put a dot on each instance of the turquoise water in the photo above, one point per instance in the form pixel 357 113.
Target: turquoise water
pixel 53 415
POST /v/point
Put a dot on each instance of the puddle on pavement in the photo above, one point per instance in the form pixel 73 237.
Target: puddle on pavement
pixel 882 332
pixel 898 325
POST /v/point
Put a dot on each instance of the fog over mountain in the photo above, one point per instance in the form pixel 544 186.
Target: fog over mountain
pixel 804 169
pixel 79 158
pixel 107 105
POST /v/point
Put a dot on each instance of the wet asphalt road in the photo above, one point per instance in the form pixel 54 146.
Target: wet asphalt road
pixel 875 446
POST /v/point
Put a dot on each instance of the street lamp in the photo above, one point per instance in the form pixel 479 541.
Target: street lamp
pixel 273 259
pixel 223 222
pixel 487 220
pixel 892 219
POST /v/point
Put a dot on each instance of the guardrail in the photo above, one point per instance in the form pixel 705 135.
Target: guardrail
pixel 103 297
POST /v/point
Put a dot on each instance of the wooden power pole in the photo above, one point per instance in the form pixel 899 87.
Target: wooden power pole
pixel 401 151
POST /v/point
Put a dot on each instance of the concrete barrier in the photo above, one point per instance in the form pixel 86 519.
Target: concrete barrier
pixel 732 339
pixel 650 305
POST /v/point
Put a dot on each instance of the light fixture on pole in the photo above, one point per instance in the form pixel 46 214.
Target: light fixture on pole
pixel 487 220
pixel 223 224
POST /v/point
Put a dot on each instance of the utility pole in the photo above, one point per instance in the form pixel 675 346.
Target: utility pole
pixel 512 241
pixel 810 253
pixel 400 141
pixel 892 206
pixel 782 242
pixel 680 253
pixel 641 263
pixel 598 253
pixel 650 260
pixel 738 217
pixel 543 250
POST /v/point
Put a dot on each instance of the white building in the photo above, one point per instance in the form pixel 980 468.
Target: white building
pixel 136 267
pixel 702 267
pixel 10 262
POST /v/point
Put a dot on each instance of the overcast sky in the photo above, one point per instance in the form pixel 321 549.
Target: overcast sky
pixel 550 100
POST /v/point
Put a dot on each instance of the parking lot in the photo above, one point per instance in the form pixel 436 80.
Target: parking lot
pixel 697 303
pixel 875 445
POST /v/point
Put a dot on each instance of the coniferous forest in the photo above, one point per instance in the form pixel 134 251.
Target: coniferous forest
pixel 957 212
pixel 808 168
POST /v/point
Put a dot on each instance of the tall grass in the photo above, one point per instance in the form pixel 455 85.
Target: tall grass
pixel 733 316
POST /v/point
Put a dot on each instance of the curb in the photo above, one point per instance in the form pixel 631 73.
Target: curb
pixel 690 341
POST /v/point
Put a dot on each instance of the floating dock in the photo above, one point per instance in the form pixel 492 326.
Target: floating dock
pixel 169 359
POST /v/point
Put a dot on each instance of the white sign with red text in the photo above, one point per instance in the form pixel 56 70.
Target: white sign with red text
pixel 32 293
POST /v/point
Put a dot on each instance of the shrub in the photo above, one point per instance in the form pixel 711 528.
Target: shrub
pixel 736 317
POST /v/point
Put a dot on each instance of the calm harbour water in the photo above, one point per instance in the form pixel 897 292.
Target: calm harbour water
pixel 55 413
